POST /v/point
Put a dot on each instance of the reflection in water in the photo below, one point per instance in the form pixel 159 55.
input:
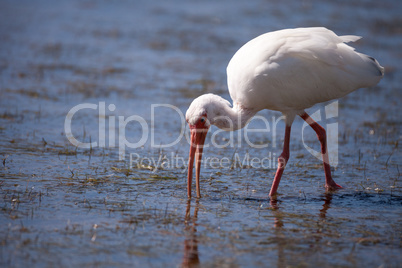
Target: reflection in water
pixel 190 257
pixel 281 239
pixel 326 206
pixel 278 222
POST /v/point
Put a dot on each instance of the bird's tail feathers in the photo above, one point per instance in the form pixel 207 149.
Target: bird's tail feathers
pixel 377 68
pixel 349 38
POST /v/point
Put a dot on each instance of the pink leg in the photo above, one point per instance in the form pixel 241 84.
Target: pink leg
pixel 282 160
pixel 322 137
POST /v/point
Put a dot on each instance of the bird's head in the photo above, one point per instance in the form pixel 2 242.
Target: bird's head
pixel 204 111
pixel 199 123
pixel 207 110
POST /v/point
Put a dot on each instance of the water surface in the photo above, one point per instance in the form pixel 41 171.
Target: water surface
pixel 68 206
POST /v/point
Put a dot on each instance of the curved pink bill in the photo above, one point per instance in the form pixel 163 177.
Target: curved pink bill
pixel 197 144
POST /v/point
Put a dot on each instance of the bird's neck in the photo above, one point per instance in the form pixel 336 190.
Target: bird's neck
pixel 233 118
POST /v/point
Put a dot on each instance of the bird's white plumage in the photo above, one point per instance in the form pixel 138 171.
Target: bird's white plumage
pixel 293 69
pixel 210 104
pixel 288 71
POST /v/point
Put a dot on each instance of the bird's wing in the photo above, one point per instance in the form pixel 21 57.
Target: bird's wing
pixel 317 44
pixel 296 68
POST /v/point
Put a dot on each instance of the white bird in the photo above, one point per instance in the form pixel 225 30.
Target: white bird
pixel 287 71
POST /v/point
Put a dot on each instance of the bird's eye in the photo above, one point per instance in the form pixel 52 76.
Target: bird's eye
pixel 202 120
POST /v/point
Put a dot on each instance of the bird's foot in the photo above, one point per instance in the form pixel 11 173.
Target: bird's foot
pixel 332 186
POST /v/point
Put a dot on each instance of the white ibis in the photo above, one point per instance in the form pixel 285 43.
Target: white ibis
pixel 287 71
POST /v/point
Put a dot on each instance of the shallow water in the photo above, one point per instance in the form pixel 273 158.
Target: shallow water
pixel 63 205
